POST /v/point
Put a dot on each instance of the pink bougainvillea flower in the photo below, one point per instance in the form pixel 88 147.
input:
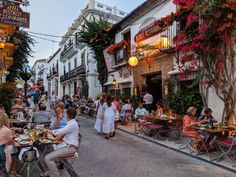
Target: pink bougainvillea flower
pixel 183 58
pixel 191 18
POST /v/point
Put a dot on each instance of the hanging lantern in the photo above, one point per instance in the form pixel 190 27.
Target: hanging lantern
pixel 2 44
pixel 133 61
pixel 114 82
pixel 164 41
pixel 149 60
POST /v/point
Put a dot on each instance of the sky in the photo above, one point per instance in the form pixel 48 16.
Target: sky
pixel 55 16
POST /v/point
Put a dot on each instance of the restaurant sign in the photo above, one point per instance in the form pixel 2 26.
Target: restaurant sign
pixel 12 14
pixel 145 33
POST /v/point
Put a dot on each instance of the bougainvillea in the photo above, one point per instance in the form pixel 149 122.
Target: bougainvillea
pixel 209 33
pixel 114 47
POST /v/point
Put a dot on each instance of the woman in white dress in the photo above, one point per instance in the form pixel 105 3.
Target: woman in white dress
pixel 109 119
pixel 100 108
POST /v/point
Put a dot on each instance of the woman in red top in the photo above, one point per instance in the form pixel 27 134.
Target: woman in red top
pixel 189 123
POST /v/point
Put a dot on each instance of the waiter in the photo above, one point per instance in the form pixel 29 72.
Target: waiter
pixel 148 100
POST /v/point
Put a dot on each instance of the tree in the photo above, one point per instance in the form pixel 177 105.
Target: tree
pixel 23 43
pixel 95 33
pixel 210 34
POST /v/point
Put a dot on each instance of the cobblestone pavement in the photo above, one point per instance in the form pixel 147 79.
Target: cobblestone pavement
pixel 128 156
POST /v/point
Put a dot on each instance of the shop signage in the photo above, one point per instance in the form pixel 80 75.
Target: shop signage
pixel 147 33
pixel 12 14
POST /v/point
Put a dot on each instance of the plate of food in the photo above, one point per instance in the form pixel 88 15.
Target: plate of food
pixel 23 137
pixel 25 142
pixel 46 141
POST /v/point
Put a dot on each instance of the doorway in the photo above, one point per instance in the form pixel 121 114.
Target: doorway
pixel 154 86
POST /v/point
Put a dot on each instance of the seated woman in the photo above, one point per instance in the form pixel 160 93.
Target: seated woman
pixel 126 110
pixel 5 139
pixel 159 110
pixel 141 111
pixel 189 123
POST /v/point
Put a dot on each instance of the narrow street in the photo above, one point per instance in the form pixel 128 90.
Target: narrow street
pixel 129 156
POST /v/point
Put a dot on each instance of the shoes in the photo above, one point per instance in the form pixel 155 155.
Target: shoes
pixel 45 174
pixel 106 137
pixel 113 134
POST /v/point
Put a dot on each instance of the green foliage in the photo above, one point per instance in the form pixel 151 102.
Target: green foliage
pixel 8 92
pixel 23 51
pixel 180 101
pixel 95 34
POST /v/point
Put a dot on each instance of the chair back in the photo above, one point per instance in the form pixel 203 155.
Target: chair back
pixel 29 155
pixel 128 112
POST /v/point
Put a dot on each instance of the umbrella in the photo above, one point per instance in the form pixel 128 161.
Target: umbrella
pixel 35 86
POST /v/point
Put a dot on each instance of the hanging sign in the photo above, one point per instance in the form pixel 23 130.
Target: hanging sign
pixel 12 14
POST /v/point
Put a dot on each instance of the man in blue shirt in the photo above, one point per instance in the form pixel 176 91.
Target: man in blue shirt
pixel 59 120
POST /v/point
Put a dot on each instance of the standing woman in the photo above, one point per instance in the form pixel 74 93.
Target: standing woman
pixel 100 108
pixel 109 119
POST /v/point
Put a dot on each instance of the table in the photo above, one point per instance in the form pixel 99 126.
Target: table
pixel 31 157
pixel 210 132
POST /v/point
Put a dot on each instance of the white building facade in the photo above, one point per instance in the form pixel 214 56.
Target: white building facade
pixel 53 68
pixel 40 73
pixel 79 74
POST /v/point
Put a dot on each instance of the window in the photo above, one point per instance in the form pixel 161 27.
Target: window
pixel 64 69
pixel 100 5
pixel 83 58
pixel 121 13
pixel 109 9
pixel 119 55
pixel 75 62
pixel 69 67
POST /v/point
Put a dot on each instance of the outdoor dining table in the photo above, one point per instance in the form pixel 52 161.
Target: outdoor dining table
pixel 27 139
pixel 210 133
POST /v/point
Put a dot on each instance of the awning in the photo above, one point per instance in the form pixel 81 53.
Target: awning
pixel 122 81
pixel 127 80
pixel 174 71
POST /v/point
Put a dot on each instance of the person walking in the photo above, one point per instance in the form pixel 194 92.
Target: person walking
pixel 109 119
pixel 100 108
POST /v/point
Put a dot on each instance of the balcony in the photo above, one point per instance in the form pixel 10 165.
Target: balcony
pixel 79 71
pixel 52 73
pixel 68 51
pixel 64 77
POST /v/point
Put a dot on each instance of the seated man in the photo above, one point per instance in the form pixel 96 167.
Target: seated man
pixel 70 141
pixel 42 115
pixel 59 120
pixel 141 111
pixel 208 116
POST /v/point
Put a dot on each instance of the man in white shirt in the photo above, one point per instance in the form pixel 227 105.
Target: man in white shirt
pixel 148 99
pixel 70 141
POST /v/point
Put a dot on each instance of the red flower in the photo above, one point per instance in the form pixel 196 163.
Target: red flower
pixel 191 18
pixel 183 58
